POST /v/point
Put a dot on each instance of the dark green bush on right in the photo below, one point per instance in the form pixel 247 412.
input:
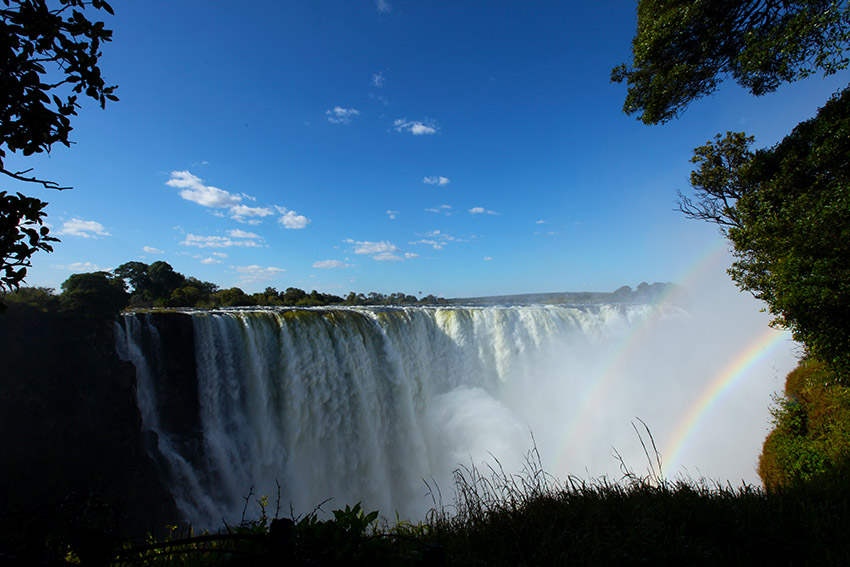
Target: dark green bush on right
pixel 811 436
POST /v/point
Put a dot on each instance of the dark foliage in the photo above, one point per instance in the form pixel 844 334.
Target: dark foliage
pixel 684 48
pixel 22 233
pixel 48 58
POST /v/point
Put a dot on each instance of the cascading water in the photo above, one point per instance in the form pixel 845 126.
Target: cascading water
pixel 362 404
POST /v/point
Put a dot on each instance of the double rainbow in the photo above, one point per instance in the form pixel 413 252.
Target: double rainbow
pixel 696 413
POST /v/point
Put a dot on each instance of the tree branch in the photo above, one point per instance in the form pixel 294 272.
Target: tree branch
pixel 19 175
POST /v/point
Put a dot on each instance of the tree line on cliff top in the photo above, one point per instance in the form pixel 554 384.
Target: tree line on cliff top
pixel 101 295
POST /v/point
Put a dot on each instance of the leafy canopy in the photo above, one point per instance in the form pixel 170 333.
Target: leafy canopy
pixel 49 56
pixel 786 210
pixel 684 48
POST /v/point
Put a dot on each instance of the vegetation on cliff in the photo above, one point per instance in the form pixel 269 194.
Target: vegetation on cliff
pixel 810 441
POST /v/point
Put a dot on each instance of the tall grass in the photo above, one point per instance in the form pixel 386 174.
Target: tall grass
pixel 530 518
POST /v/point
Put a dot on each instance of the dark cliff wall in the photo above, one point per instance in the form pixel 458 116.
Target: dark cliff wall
pixel 174 371
pixel 72 451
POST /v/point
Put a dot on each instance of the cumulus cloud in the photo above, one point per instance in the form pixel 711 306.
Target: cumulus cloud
pixel 340 115
pixel 151 250
pixel 210 260
pixel 436 239
pixel 80 267
pixel 487 258
pixel 366 247
pixel 327 264
pixel 292 220
pixel 382 251
pixel 436 180
pixel 387 257
pixel 442 209
pixel 255 273
pixel 378 80
pixel 218 242
pixel 540 222
pixel 84 228
pixel 192 188
pixel 392 214
pixel 240 212
pixel 481 211
pixel 383 6
pixel 416 127
pixel 241 234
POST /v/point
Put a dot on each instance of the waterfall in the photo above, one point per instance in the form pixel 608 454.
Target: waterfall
pixel 361 404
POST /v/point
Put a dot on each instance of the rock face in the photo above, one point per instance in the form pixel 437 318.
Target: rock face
pixel 173 371
pixel 72 451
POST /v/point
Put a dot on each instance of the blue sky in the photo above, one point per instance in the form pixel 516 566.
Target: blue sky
pixel 455 148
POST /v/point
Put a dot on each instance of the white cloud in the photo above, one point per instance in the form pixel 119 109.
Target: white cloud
pixel 540 222
pixel 481 211
pixel 239 212
pixel 487 258
pixel 241 234
pixel 330 264
pixel 436 239
pixel 382 251
pixel 433 243
pixel 366 247
pixel 442 209
pixel 392 214
pixel 436 180
pixel 210 261
pixel 151 250
pixel 387 257
pixel 378 80
pixel 86 229
pixel 217 242
pixel 383 6
pixel 292 220
pixel 340 115
pixel 193 189
pixel 415 127
pixel 80 267
pixel 219 254
pixel 255 273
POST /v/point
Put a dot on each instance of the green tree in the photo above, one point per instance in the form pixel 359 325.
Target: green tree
pixel 293 295
pixel 96 295
pixel 163 280
pixel 683 49
pixel 786 209
pixel 233 297
pixel 135 274
pixel 48 58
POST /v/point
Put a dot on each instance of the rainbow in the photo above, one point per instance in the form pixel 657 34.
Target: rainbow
pixel 723 383
pixel 595 393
